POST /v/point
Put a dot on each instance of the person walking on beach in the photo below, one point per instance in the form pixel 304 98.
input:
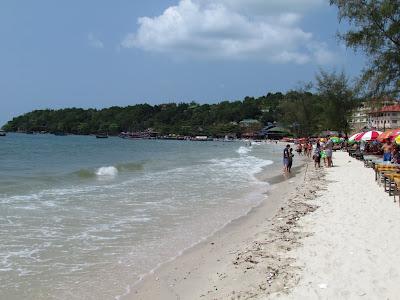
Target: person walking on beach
pixel 299 148
pixel 309 150
pixel 286 154
pixel 329 152
pixel 291 155
pixel 317 156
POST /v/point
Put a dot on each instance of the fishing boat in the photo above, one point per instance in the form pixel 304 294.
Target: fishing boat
pixel 101 136
pixel 2 133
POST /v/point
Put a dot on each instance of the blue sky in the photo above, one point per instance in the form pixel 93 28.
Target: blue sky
pixel 99 53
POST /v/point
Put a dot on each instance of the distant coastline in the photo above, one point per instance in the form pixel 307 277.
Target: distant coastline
pixel 296 113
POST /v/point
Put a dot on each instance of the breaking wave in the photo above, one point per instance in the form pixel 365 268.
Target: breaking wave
pixel 107 171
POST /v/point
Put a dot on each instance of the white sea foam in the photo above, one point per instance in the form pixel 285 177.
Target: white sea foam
pixel 107 171
pixel 243 150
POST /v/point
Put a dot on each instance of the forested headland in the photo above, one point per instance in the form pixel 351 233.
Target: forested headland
pixel 303 112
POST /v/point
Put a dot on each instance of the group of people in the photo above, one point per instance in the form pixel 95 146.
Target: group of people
pixel 287 158
pixel 304 149
pixel 322 149
pixel 388 149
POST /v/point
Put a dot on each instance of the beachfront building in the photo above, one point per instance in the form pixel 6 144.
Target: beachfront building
pixel 249 123
pixel 275 132
pixel 387 117
pixel 375 114
pixel 360 118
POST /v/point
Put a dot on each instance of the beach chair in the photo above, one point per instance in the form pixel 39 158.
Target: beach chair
pixel 396 189
pixel 389 181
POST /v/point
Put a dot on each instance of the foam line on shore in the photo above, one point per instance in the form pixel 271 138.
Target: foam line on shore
pixel 253 217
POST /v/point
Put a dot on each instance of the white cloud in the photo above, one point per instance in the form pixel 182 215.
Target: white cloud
pixel 94 41
pixel 219 29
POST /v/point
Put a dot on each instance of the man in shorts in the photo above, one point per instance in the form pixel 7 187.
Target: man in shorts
pixel 387 151
pixel 286 158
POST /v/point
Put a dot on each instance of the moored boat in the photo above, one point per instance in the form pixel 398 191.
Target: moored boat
pixel 2 133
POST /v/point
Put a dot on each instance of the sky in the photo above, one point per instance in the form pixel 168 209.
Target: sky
pixel 101 53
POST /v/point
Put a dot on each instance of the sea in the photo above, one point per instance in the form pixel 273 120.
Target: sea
pixel 87 218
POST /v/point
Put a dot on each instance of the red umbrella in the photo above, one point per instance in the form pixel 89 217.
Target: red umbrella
pixel 368 136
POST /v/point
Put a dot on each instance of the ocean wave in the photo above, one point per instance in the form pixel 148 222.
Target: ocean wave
pixel 130 167
pixel 246 164
pixel 85 173
pixel 243 150
pixel 107 171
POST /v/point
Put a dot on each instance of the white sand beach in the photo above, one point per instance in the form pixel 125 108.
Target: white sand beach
pixel 324 234
pixel 353 251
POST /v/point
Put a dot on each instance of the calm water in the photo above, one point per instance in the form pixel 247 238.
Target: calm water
pixel 85 218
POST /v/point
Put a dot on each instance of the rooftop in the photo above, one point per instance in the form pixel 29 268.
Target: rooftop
pixel 389 108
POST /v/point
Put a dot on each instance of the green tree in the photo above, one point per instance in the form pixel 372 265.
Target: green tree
pixel 301 111
pixel 338 100
pixel 376 30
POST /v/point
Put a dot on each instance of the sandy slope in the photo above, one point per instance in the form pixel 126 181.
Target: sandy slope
pixel 325 234
pixel 354 251
pixel 247 259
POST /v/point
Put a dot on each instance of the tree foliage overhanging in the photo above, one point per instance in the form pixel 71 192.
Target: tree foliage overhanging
pixel 375 29
pixel 301 111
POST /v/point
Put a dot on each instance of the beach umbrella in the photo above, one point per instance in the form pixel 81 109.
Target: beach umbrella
pixel 384 135
pixel 388 134
pixel 368 136
pixel 394 134
pixel 353 137
pixel 335 139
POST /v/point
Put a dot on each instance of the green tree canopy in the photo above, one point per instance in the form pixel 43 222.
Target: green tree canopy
pixel 337 99
pixel 375 28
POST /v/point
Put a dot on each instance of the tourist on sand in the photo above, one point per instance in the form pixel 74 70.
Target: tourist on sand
pixel 323 155
pixel 387 151
pixel 299 149
pixel 329 151
pixel 286 155
pixel 309 149
pixel 317 156
pixel 291 155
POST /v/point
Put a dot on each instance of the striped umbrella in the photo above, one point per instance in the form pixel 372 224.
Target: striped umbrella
pixel 368 136
pixel 353 137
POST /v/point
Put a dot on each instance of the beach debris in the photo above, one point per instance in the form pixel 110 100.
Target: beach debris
pixel 262 286
pixel 251 260
pixel 322 285
pixel 283 235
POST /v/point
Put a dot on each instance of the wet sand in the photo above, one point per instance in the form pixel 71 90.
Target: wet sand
pixel 245 259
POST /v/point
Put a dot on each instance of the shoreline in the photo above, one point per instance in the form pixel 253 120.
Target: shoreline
pixel 188 275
